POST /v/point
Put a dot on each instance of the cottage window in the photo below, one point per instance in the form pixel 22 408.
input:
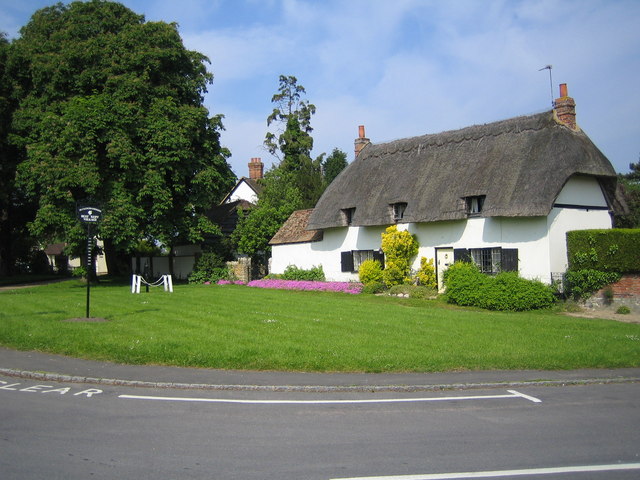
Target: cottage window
pixel 351 260
pixel 397 209
pixel 489 260
pixel 475 204
pixel 347 215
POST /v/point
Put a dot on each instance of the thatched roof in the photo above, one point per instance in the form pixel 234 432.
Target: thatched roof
pixel 295 230
pixel 520 164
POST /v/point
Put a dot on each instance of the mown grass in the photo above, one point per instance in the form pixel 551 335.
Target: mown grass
pixel 237 327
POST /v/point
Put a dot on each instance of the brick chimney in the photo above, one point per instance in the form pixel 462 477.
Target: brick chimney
pixel 361 141
pixel 256 169
pixel 565 108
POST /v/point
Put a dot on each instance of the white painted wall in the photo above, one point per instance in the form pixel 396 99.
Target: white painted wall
pixel 527 234
pixel 582 190
pixel 327 251
pixel 563 220
pixel 243 192
pixel 541 241
pixel 579 190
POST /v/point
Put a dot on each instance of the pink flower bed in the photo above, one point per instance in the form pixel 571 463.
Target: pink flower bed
pixel 344 287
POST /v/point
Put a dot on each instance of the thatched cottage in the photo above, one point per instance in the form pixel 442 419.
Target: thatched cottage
pixel 502 194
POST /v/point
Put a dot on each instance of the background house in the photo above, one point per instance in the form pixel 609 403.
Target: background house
pixel 502 194
pixel 243 195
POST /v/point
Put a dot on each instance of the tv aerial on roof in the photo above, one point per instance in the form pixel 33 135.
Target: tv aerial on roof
pixel 549 67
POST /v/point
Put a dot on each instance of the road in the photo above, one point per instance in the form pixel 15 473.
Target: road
pixel 79 431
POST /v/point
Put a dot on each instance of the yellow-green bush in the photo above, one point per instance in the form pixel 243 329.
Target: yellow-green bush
pixel 399 247
pixel 370 271
pixel 427 273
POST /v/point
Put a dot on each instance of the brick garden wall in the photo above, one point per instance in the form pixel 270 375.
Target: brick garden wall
pixel 626 291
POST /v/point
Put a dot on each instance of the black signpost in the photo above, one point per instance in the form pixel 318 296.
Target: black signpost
pixel 89 215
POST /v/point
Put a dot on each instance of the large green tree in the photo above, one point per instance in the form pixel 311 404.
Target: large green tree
pixel 292 144
pixel 295 182
pixel 333 165
pixel 111 108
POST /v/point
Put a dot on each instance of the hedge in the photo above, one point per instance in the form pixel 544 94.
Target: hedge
pixel 467 286
pixel 610 250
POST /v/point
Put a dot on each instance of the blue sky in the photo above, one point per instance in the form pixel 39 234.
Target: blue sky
pixel 407 67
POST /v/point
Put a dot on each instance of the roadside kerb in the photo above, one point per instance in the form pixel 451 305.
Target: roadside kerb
pixel 55 377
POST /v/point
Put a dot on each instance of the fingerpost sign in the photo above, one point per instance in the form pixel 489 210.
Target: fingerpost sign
pixel 90 215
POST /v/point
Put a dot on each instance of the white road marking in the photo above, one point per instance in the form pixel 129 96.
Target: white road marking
pixel 528 397
pixel 512 394
pixel 507 473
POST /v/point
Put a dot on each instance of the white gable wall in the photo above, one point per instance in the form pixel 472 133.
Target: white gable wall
pixel 579 191
pixel 242 191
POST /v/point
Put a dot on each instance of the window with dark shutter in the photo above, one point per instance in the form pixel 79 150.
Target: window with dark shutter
pixel 350 261
pixel 379 256
pixel 346 261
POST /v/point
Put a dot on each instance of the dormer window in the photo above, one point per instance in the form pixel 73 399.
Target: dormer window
pixel 347 215
pixel 475 204
pixel 397 209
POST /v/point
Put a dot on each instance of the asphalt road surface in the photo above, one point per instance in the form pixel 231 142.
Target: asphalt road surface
pixel 81 431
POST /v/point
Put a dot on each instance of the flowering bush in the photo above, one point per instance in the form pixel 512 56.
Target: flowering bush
pixel 345 287
pixel 399 247
pixel 427 273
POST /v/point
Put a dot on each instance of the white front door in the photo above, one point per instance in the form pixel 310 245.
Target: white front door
pixel 444 258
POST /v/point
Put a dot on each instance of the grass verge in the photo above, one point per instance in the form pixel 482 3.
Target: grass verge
pixel 238 327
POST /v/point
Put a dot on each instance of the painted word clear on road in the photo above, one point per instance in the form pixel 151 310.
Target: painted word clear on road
pixel 20 387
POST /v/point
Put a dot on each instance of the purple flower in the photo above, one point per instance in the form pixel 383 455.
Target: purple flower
pixel 345 287
pixel 224 282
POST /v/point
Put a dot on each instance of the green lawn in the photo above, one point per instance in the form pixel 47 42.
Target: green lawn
pixel 238 327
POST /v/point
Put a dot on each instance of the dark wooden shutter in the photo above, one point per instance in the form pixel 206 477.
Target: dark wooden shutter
pixel 346 261
pixel 379 256
pixel 461 255
pixel 509 260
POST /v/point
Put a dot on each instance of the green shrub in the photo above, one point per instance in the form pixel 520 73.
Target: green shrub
pixel 427 273
pixel 582 283
pixel 373 288
pixel 314 274
pixel 210 267
pixel 608 250
pixel 507 291
pixel 422 293
pixel 623 310
pixel 466 285
pixel 370 271
pixel 463 282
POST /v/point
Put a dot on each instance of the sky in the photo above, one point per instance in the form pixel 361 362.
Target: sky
pixel 404 68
